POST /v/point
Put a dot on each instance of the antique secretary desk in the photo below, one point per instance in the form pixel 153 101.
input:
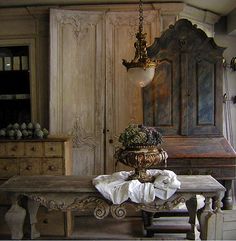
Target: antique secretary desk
pixel 185 102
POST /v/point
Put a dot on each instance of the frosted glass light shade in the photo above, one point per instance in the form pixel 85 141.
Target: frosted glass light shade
pixel 140 76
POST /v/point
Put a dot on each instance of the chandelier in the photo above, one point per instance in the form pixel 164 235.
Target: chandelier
pixel 141 69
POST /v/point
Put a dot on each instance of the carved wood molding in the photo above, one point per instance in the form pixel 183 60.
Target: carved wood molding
pixel 80 21
pixel 102 207
pixel 115 20
pixel 81 137
pixel 184 36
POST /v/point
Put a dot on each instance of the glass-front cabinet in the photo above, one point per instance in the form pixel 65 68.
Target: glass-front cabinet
pixel 15 97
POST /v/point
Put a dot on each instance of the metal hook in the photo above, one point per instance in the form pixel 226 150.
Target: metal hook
pixel 232 64
pixel 225 98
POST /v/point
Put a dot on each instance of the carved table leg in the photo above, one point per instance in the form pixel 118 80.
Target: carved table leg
pixel 219 218
pixel 33 209
pixel 207 220
pixel 148 220
pixel 191 205
pixel 15 218
pixel 227 200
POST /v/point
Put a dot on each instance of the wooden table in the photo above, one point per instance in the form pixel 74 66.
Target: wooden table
pixel 70 193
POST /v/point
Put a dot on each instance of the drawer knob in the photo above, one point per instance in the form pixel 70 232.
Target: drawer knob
pixel 51 148
pixel 14 148
pixel 52 168
pixel 45 221
pixel 29 167
pixel 33 148
pixel 5 168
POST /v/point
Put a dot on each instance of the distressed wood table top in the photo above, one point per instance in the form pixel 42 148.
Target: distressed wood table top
pixel 75 184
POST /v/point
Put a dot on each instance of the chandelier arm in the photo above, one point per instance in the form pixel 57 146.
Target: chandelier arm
pixel 141 68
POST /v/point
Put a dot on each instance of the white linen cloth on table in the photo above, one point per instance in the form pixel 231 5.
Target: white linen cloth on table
pixel 116 189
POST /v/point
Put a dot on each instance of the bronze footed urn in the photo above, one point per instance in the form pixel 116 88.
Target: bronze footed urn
pixel 140 150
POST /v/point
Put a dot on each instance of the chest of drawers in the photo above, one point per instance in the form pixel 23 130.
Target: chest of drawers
pixel 51 156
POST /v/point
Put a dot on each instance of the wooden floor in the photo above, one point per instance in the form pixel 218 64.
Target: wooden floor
pixel 127 229
pixel 89 228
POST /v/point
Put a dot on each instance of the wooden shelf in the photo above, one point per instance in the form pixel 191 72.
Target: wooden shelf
pixel 15 97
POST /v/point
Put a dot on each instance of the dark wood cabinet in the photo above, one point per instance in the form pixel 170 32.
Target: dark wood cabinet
pixel 185 95
pixel 185 102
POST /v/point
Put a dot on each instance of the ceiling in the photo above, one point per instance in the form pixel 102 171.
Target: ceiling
pixel 221 7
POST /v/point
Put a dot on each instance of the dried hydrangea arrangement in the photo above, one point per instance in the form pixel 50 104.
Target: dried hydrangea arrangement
pixel 139 135
pixel 140 150
pixel 23 131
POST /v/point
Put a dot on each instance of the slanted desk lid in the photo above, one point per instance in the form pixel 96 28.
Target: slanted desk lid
pixel 198 147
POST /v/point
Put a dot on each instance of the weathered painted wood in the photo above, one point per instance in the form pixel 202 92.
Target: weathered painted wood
pixel 68 193
pixel 196 84
pixel 49 156
pixel 124 103
pixel 77 85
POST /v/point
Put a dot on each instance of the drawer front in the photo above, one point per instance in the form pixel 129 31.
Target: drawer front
pixel 15 148
pixel 29 167
pixel 34 149
pixel 228 172
pixel 2 149
pixel 52 166
pixel 8 167
pixel 50 223
pixel 53 149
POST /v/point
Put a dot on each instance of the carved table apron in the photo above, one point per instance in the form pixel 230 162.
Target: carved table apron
pixel 70 193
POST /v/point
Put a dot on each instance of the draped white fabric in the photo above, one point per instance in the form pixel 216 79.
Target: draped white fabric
pixel 116 189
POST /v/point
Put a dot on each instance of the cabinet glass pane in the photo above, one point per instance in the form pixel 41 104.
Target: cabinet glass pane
pixel 15 101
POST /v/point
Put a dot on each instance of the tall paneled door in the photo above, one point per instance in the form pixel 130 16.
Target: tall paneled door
pixel 90 96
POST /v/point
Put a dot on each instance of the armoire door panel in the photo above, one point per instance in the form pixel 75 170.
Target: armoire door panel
pixel 161 99
pixel 204 107
pixel 77 85
pixel 206 93
pixel 160 104
pixel 124 102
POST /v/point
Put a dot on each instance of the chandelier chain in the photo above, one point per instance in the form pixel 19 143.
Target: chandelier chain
pixel 140 16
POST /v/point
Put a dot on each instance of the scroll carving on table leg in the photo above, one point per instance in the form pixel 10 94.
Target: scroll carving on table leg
pixel 15 218
pixel 101 207
pixel 33 209
pixel 47 202
pixel 101 210
pixel 159 205
pixel 118 211
pixel 191 205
